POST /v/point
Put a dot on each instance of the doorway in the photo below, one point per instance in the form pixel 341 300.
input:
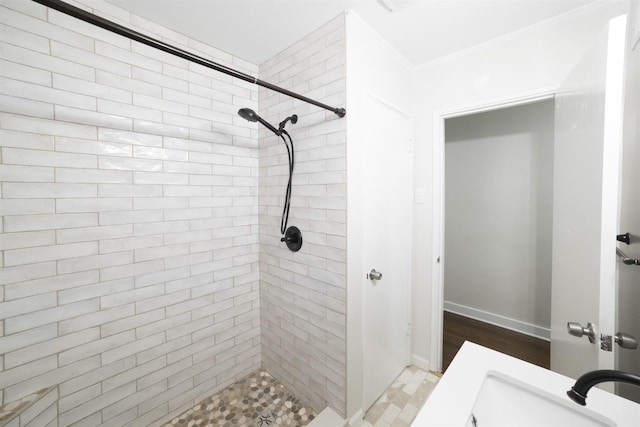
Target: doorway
pixel 498 181
pixel 587 137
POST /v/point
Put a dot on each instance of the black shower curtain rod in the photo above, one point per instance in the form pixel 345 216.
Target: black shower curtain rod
pixel 158 44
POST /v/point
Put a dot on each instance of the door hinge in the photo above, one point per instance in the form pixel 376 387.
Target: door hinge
pixel 408 329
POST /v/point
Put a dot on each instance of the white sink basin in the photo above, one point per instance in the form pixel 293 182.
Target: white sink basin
pixel 500 390
pixel 506 401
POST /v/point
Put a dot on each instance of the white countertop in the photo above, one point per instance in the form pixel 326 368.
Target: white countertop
pixel 451 402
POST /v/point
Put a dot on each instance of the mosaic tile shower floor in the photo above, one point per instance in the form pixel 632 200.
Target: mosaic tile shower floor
pixel 255 400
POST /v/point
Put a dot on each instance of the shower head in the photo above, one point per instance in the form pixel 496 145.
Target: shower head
pixel 248 114
pixel 251 116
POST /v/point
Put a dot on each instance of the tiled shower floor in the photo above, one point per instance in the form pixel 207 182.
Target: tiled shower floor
pixel 255 400
pixel 260 400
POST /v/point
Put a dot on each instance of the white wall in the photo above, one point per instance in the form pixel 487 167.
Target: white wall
pixel 376 68
pixel 303 294
pixel 129 272
pixel 629 276
pixel 498 210
pixel 534 60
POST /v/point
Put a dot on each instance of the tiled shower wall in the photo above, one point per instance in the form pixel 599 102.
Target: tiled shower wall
pixel 303 294
pixel 129 233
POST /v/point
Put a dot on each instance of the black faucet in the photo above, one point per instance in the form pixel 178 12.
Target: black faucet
pixel 578 392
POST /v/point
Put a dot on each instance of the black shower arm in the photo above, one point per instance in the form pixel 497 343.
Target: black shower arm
pixel 158 44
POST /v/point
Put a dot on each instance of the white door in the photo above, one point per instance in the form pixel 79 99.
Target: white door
pixel 588 127
pixel 387 248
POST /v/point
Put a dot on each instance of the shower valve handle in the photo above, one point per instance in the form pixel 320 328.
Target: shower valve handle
pixel 293 238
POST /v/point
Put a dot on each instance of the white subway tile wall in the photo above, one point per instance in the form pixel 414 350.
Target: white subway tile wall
pixel 303 294
pixel 129 267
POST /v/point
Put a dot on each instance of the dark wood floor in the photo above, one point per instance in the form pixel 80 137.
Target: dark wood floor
pixel 458 329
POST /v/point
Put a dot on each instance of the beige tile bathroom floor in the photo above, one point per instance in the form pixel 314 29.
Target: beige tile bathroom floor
pixel 400 403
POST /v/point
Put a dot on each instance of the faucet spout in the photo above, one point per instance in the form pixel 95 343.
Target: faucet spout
pixel 578 392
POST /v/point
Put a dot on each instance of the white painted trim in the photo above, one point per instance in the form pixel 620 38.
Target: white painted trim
pixel 419 362
pixel 499 320
pixel 612 148
pixel 357 418
pixel 388 105
pixel 437 277
pixel 328 418
pixel 437 267
pixel 497 104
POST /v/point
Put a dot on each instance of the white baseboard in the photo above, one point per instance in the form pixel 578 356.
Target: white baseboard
pixel 328 418
pixel 357 419
pixel 419 362
pixel 498 320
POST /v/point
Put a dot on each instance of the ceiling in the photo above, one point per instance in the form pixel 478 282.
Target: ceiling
pixel 421 30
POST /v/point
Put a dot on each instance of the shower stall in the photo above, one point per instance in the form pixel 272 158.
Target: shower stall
pixel 142 266
pixel 148 228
